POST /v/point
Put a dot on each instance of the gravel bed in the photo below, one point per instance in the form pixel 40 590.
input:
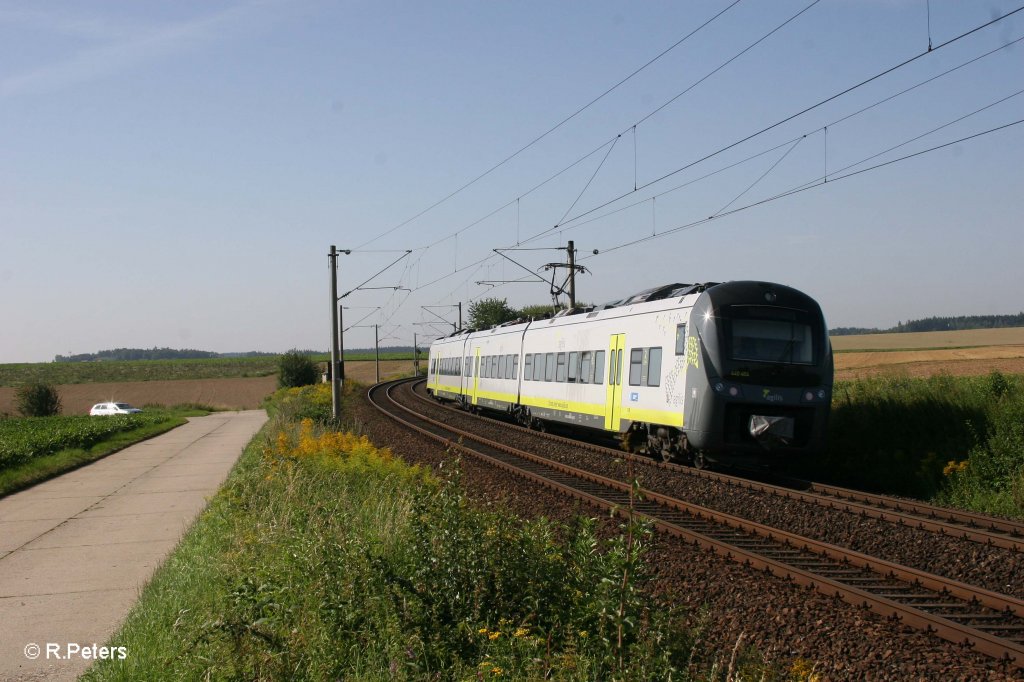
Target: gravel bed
pixel 993 568
pixel 726 601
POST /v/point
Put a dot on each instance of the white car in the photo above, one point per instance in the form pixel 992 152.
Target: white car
pixel 113 408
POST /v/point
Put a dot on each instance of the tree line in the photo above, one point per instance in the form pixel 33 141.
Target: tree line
pixel 939 324
pixel 119 354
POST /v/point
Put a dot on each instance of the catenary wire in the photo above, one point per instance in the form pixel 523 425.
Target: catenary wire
pixel 785 120
pixel 553 128
pixel 577 225
pixel 807 186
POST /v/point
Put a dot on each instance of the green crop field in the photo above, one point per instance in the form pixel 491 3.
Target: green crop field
pixel 22 440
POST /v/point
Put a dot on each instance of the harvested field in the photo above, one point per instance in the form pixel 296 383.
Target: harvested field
pixel 234 394
pixel 959 353
pixel 1009 336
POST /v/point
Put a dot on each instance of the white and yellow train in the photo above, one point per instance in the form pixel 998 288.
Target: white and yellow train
pixel 690 372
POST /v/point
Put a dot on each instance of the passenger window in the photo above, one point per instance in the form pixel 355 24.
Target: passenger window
pixel 654 367
pixel 599 368
pixel 560 374
pixel 549 367
pixel 681 339
pixel 635 363
pixel 586 367
pixel 502 369
pixel 528 367
pixel 574 365
pixel 538 367
pixel 515 366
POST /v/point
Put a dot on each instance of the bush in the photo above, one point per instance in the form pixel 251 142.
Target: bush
pixel 38 399
pixel 296 369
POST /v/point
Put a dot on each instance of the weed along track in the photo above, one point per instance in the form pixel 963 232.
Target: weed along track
pixel 978 614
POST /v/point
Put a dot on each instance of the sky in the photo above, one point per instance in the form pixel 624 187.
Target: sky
pixel 174 174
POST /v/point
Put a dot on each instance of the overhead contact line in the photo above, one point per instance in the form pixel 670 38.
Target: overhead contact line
pixel 555 127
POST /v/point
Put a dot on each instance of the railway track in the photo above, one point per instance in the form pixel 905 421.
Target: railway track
pixel 953 523
pixel 989 622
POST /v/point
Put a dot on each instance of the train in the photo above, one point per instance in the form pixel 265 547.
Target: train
pixel 696 373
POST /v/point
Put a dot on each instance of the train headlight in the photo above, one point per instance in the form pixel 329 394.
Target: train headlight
pixel 811 395
pixel 729 389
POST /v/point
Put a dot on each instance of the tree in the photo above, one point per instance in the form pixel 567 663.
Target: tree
pixel 296 369
pixel 539 311
pixel 38 399
pixel 490 312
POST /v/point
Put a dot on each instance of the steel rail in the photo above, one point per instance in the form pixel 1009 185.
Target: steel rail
pixel 792 557
pixel 950 522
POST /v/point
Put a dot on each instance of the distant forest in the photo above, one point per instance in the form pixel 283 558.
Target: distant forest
pixel 119 354
pixel 939 324
pixel 154 354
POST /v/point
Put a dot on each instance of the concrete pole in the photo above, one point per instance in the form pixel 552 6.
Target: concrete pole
pixel 376 351
pixel 335 392
pixel 460 316
pixel 415 355
pixel 572 276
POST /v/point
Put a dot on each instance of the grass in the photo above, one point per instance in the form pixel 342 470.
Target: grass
pixel 954 440
pixel 33 450
pixel 324 558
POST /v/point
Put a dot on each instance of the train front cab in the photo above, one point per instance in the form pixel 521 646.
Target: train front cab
pixel 759 377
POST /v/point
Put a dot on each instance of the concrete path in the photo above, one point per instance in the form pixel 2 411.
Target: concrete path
pixel 75 550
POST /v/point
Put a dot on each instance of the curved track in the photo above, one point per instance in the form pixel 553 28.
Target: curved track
pixel 969 526
pixel 991 623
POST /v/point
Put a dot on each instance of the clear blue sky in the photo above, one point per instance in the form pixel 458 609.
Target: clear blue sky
pixel 173 174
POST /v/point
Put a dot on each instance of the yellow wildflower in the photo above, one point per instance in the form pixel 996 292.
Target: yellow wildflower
pixel 521 632
pixel 494 635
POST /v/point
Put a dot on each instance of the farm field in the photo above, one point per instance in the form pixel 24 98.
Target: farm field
pixel 158 370
pixel 958 353
pixel 228 393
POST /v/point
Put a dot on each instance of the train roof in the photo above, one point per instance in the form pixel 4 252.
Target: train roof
pixel 663 297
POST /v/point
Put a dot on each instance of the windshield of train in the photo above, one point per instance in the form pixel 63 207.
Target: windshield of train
pixel 766 334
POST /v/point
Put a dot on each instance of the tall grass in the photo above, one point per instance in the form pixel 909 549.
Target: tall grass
pixel 326 558
pixel 958 440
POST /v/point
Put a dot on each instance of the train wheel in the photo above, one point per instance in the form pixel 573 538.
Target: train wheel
pixel 667 456
pixel 699 461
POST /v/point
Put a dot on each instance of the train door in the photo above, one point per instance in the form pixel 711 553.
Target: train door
pixel 613 397
pixel 476 373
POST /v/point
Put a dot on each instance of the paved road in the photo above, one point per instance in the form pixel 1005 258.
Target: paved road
pixel 75 550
